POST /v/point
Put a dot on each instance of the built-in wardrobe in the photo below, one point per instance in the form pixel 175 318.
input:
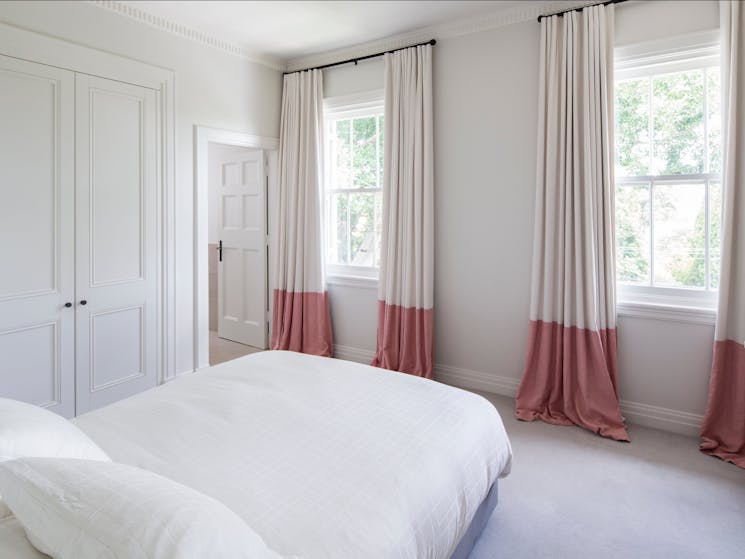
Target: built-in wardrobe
pixel 82 175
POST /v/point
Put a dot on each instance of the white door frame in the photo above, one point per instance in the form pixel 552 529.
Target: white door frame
pixel 40 48
pixel 203 136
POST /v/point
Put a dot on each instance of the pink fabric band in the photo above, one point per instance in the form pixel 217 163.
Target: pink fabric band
pixel 723 432
pixel 405 340
pixel 302 323
pixel 570 379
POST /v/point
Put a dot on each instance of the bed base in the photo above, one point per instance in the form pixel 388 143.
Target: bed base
pixel 483 513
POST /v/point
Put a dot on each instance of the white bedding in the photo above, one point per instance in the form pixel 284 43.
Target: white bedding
pixel 323 458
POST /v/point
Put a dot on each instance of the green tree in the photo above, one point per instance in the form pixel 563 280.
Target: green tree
pixel 690 269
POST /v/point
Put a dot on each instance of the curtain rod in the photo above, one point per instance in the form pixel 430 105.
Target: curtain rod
pixel 580 8
pixel 432 42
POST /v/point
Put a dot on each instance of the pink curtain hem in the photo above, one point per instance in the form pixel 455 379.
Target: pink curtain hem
pixel 723 431
pixel 302 323
pixel 405 340
pixel 570 379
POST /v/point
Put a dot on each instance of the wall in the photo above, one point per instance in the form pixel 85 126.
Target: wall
pixel 486 94
pixel 213 88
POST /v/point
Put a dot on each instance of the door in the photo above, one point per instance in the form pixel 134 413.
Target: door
pixel 241 266
pixel 116 235
pixel 37 329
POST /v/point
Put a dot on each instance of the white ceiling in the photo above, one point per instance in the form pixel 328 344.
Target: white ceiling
pixel 290 29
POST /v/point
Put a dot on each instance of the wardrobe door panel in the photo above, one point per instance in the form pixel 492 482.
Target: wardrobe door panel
pixel 116 231
pixel 37 234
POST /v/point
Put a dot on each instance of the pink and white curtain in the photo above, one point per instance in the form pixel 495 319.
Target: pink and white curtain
pixel 723 431
pixel 301 318
pixel 571 361
pixel 406 286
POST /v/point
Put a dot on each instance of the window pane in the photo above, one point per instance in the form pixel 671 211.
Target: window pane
pixel 714 101
pixel 342 156
pixel 679 235
pixel 632 233
pixel 365 158
pixel 715 231
pixel 678 123
pixel 339 230
pixel 362 228
pixel 632 127
pixel 381 135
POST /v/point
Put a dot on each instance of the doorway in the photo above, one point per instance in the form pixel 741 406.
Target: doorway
pixel 234 173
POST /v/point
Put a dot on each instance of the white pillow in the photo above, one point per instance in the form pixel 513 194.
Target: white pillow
pixel 28 430
pixel 85 509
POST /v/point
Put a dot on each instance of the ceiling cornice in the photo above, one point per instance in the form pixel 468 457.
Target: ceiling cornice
pixel 186 32
pixel 502 18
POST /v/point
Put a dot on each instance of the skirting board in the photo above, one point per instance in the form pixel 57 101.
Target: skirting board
pixel 673 421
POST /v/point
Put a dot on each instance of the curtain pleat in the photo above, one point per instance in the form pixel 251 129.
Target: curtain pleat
pixel 571 359
pixel 406 285
pixel 301 317
pixel 723 430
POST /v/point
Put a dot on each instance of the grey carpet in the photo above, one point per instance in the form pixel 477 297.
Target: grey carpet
pixel 572 494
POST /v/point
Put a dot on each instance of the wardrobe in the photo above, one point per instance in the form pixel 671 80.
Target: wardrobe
pixel 81 221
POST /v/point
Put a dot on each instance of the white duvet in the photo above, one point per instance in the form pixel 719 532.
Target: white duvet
pixel 322 458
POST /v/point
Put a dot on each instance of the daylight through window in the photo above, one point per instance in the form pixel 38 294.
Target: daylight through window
pixel 354 177
pixel 668 160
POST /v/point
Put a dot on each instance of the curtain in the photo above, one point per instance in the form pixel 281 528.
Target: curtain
pixel 406 286
pixel 571 359
pixel 723 431
pixel 301 318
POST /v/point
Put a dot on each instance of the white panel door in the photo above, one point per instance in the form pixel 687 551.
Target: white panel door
pixel 241 267
pixel 117 334
pixel 37 329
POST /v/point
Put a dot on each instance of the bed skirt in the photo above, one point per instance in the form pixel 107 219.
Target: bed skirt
pixel 483 513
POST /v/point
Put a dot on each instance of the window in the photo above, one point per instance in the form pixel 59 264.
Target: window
pixel 667 167
pixel 353 190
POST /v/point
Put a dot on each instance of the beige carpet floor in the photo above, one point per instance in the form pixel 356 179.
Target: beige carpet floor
pixel 572 494
pixel 222 350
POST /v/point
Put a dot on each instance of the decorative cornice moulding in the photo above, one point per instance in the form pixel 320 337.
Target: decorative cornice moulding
pixel 502 18
pixel 186 32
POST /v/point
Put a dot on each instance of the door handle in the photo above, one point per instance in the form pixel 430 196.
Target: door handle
pixel 68 305
pixel 219 251
pixel 83 302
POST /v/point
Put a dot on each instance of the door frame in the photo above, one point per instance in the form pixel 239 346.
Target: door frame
pixel 43 49
pixel 203 136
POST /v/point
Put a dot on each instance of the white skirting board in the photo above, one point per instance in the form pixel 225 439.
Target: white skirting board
pixel 674 421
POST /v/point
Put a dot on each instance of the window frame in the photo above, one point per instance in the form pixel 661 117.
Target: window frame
pixel 677 54
pixel 365 104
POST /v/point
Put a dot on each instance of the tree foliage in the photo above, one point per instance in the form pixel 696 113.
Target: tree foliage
pixel 675 110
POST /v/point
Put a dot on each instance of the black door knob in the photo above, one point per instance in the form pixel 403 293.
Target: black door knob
pixel 68 305
pixel 83 302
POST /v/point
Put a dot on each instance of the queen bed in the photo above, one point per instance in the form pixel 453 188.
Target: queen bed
pixel 322 458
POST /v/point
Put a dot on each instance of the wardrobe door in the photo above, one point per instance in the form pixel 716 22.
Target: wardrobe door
pixel 116 238
pixel 37 329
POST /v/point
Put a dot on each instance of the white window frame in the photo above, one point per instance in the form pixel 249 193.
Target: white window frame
pixel 686 304
pixel 365 104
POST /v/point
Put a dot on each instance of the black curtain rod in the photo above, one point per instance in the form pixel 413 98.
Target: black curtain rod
pixel 356 60
pixel 579 9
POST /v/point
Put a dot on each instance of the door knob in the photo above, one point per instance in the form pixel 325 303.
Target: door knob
pixel 68 305
pixel 83 302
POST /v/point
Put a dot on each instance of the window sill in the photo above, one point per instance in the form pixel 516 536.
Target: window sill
pixel 673 313
pixel 353 281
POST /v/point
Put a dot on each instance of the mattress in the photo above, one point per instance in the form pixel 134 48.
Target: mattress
pixel 321 457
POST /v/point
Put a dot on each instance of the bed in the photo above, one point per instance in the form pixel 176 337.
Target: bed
pixel 323 458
